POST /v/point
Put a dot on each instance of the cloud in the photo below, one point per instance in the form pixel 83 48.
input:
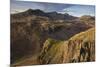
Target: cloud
pixel 72 9
pixel 38 5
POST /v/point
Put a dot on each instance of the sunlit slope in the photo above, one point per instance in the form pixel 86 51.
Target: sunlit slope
pixel 79 48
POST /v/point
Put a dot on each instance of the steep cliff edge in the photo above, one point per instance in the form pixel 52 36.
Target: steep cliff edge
pixel 79 48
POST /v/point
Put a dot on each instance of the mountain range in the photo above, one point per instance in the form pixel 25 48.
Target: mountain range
pixel 37 34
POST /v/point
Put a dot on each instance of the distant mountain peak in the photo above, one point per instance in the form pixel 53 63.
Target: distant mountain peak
pixel 30 10
pixel 34 11
pixel 87 17
pixel 51 15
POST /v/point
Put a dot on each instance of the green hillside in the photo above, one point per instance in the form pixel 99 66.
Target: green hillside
pixel 79 48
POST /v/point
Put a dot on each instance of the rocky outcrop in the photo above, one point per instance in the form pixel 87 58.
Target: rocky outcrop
pixel 79 48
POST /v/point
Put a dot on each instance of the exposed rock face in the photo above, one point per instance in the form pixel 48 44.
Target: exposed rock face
pixel 79 48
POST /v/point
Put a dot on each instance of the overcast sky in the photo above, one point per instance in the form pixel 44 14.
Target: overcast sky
pixel 72 9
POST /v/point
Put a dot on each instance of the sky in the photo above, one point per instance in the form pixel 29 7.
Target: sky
pixel 72 9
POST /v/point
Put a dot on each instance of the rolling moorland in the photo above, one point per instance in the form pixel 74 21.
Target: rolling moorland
pixel 39 37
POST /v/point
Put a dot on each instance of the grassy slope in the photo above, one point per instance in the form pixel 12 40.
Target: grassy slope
pixel 89 34
pixel 79 48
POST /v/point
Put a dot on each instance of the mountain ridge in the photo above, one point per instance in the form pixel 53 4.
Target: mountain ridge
pixel 50 15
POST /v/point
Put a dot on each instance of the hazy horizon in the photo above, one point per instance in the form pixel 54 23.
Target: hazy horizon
pixel 72 9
